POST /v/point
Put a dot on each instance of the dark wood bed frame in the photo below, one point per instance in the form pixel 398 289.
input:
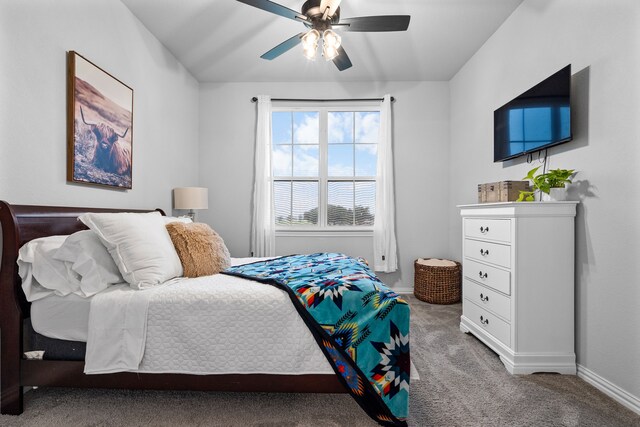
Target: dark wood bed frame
pixel 22 223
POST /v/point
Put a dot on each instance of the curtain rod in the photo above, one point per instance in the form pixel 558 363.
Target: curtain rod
pixel 254 99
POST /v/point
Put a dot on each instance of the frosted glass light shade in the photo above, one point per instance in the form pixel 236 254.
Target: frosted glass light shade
pixel 331 38
pixel 310 44
pixel 191 198
pixel 310 39
pixel 329 52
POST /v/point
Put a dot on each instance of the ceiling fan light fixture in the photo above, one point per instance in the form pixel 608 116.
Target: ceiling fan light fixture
pixel 329 52
pixel 310 52
pixel 310 44
pixel 310 39
pixel 320 15
pixel 331 38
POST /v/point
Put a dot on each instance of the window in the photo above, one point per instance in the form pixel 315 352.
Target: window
pixel 324 167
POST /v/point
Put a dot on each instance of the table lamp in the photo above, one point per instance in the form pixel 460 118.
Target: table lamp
pixel 191 198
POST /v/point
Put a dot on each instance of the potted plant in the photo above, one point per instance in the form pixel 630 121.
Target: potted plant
pixel 551 184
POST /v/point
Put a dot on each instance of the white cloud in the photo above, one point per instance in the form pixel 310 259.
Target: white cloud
pixel 367 126
pixel 340 170
pixel 371 149
pixel 281 160
pixel 305 160
pixel 306 128
pixel 340 127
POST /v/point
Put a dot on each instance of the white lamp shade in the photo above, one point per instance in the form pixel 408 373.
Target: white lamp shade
pixel 190 198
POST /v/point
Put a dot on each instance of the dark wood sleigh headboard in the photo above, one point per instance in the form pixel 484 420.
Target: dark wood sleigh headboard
pixel 23 223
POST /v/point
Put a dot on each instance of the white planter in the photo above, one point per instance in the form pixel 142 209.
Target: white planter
pixel 558 194
pixel 555 195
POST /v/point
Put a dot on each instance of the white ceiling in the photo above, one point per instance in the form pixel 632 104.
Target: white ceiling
pixel 222 40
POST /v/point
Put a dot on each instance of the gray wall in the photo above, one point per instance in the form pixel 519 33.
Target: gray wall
pixel 421 135
pixel 602 42
pixel 34 36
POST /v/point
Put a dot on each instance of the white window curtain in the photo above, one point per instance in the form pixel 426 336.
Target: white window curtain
pixel 384 235
pixel 262 221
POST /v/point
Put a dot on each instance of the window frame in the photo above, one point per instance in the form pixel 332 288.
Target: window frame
pixel 323 171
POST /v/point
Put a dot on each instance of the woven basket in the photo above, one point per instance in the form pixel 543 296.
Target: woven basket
pixel 436 284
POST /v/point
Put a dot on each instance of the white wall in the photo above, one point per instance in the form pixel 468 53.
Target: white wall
pixel 602 42
pixel 421 134
pixel 34 38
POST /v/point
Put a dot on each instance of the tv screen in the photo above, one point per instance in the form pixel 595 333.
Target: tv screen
pixel 537 119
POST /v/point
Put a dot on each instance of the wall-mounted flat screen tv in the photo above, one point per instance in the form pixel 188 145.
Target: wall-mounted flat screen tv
pixel 538 119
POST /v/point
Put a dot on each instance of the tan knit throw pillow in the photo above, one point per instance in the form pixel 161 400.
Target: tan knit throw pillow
pixel 201 250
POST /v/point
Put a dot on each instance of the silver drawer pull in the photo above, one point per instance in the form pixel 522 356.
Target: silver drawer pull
pixel 483 275
pixel 484 298
pixel 484 230
pixel 484 253
pixel 484 321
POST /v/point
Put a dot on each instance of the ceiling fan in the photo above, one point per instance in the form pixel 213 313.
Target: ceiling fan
pixel 321 17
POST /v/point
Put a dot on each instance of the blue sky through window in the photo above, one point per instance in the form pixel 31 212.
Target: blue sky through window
pixel 281 127
pixel 340 124
pixel 345 129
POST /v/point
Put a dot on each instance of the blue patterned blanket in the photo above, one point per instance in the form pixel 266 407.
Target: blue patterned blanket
pixel 361 326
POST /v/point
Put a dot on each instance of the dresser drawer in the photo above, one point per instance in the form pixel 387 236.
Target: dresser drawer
pixel 494 253
pixel 492 229
pixel 493 277
pixel 487 298
pixel 500 329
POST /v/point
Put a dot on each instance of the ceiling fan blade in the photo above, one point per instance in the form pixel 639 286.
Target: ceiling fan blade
pixel 331 4
pixel 276 8
pixel 283 47
pixel 342 61
pixel 375 23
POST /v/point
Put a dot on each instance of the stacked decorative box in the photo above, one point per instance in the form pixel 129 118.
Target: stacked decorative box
pixel 503 191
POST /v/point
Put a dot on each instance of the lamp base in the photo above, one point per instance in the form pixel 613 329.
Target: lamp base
pixel 191 215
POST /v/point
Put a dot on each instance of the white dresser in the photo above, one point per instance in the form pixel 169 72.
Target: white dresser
pixel 518 283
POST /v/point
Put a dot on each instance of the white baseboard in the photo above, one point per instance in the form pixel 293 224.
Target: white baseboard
pixel 403 290
pixel 613 391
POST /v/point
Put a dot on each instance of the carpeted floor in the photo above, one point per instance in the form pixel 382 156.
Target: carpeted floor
pixel 463 383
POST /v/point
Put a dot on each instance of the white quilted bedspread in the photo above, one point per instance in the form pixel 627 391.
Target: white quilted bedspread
pixel 209 325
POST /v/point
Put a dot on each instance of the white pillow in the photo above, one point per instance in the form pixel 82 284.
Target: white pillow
pixel 88 262
pixel 139 244
pixel 41 274
pixel 170 219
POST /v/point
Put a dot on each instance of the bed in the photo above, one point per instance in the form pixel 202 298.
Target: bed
pixel 21 224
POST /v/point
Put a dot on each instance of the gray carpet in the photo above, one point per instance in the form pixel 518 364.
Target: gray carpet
pixel 463 383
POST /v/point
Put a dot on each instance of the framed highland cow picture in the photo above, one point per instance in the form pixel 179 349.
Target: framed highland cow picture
pixel 99 126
